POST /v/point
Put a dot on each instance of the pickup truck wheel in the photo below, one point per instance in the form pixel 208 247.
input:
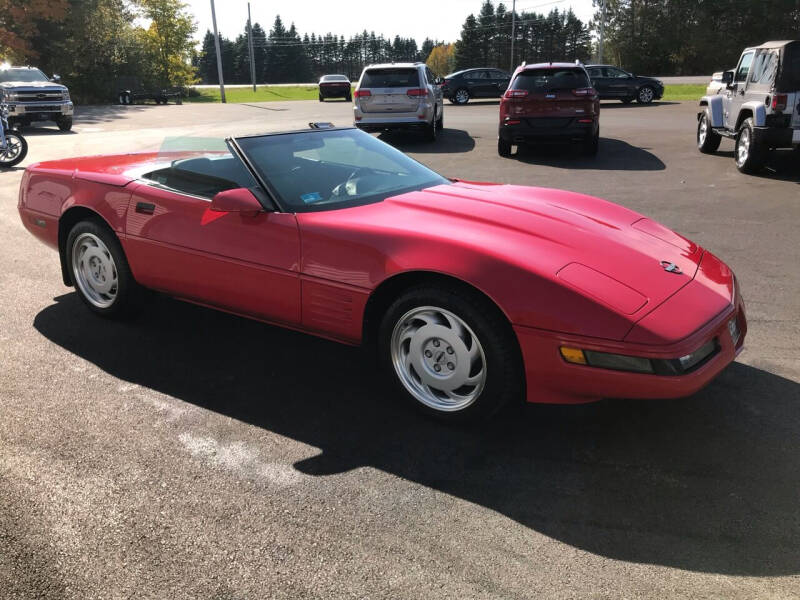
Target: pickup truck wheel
pixel 64 123
pixel 749 153
pixel 646 95
pixel 707 139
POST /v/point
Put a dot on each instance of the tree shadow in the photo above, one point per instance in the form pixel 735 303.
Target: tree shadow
pixel 448 141
pixel 105 114
pixel 709 483
pixel 613 155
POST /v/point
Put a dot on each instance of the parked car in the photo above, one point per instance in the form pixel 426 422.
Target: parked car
pixel 472 295
pixel 546 103
pixel 758 105
pixel 461 86
pixel 335 86
pixel 31 96
pixel 399 96
pixel 614 83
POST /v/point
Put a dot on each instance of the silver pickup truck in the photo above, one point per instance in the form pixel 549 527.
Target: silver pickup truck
pixel 757 105
pixel 31 96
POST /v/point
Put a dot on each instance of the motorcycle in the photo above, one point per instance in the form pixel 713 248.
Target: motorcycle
pixel 13 147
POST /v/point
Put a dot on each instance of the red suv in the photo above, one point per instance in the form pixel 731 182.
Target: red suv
pixel 549 102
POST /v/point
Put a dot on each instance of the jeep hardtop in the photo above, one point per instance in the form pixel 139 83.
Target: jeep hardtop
pixel 757 105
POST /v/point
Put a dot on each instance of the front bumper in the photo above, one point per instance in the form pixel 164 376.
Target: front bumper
pixel 40 110
pixel 550 379
pixel 542 132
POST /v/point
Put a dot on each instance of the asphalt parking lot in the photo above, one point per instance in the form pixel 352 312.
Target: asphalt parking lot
pixel 193 454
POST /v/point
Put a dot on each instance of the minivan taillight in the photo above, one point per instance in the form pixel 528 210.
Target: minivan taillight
pixel 779 101
pixel 362 93
pixel 417 92
pixel 516 93
pixel 583 92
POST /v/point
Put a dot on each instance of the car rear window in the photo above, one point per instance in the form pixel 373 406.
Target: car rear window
pixel 550 80
pixel 334 78
pixel 389 78
pixel 790 69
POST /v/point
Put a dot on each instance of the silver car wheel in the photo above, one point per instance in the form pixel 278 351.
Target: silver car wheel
pixel 462 96
pixel 438 358
pixel 13 148
pixel 94 270
pixel 646 95
pixel 743 147
pixel 702 132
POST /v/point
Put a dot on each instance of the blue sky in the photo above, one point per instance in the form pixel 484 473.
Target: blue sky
pixel 437 19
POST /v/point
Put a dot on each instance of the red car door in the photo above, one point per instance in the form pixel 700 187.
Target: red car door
pixel 246 264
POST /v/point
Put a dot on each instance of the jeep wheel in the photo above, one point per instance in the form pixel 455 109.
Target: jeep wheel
pixel 645 95
pixel 707 139
pixel 749 153
pixel 431 129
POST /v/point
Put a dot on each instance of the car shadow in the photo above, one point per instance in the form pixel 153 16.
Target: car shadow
pixel 708 483
pixel 619 104
pixel 781 165
pixel 612 155
pixel 447 141
pixel 36 130
pixel 106 113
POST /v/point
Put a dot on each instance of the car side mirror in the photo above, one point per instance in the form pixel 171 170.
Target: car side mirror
pixel 439 80
pixel 240 200
pixel 727 77
pixel 55 78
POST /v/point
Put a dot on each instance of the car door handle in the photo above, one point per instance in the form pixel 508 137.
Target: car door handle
pixel 146 208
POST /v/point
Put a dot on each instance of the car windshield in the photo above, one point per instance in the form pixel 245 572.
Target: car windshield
pixel 25 75
pixel 550 80
pixel 338 168
pixel 389 78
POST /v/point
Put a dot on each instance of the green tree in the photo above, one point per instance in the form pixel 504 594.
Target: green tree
pixel 19 23
pixel 467 51
pixel 169 40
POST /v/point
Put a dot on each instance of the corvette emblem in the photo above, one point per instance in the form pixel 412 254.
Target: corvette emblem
pixel 671 267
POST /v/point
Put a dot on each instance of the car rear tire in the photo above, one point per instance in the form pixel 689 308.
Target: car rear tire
pixel 349 98
pixel 503 148
pixel 461 96
pixel 645 95
pixel 64 123
pixel 100 271
pixel 708 140
pixel 591 145
pixel 431 129
pixel 450 353
pixel 321 99
pixel 440 121
pixel 749 154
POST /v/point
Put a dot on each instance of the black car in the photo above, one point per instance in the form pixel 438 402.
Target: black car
pixel 460 86
pixel 612 82
pixel 334 86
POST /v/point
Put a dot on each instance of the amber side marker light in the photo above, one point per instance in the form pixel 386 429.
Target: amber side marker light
pixel 573 355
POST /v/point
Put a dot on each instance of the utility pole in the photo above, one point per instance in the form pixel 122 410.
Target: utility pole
pixel 219 54
pixel 513 27
pixel 602 31
pixel 250 43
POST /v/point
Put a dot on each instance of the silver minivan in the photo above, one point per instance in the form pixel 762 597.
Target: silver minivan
pixel 399 96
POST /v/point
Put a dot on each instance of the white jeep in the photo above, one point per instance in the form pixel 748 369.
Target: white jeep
pixel 757 105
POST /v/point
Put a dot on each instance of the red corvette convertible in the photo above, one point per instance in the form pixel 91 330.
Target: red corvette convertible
pixel 474 294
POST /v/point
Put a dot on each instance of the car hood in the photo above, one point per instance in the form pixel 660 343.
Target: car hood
pixel 44 85
pixel 604 252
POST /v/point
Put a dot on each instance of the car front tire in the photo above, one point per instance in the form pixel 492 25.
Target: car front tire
pixel 450 353
pixel 64 123
pixel 461 96
pixel 708 140
pixel 645 95
pixel 100 271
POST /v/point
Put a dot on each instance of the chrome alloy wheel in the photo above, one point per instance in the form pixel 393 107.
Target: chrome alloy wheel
pixel 94 270
pixel 646 95
pixel 12 150
pixel 462 96
pixel 743 147
pixel 438 358
pixel 702 130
